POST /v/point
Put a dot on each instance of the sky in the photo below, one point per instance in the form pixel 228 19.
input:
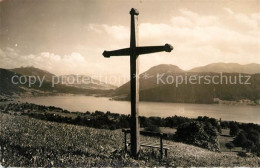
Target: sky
pixel 69 36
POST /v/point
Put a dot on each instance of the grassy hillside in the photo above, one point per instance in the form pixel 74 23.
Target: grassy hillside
pixel 31 142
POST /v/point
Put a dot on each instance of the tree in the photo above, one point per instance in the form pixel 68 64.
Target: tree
pixel 256 149
pixel 253 135
pixel 240 139
pixel 234 129
pixel 230 145
pixel 199 134
pixel 249 146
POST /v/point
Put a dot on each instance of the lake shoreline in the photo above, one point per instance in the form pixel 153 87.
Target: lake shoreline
pixel 82 103
pixel 61 110
pixel 243 102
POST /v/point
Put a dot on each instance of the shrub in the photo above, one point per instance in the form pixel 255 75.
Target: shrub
pixel 198 134
pixel 240 139
pixel 152 128
pixel 234 129
pixel 249 145
pixel 242 154
pixel 230 145
pixel 224 124
pixel 249 138
pixel 254 136
pixel 256 149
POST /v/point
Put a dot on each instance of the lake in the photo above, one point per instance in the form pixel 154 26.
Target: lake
pixel 81 103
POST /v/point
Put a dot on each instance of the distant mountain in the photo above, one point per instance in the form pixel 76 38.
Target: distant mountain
pixel 84 82
pixel 164 68
pixel 7 87
pixel 148 78
pixel 229 68
pixel 28 71
pixel 151 90
pixel 77 80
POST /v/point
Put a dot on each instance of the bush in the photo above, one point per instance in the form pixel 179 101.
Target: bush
pixel 212 121
pixel 224 124
pixel 249 145
pixel 242 154
pixel 152 128
pixel 234 129
pixel 254 136
pixel 249 138
pixel 256 149
pixel 199 134
pixel 240 139
pixel 230 145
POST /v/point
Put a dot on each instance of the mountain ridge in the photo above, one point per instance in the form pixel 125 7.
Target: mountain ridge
pixel 251 68
pixel 150 90
pixel 16 88
pixel 91 84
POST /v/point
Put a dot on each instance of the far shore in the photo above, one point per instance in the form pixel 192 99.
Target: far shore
pixel 14 98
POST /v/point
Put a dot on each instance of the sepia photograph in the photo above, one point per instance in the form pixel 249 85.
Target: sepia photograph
pixel 129 83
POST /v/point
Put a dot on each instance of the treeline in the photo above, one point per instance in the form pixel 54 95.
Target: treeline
pixel 98 119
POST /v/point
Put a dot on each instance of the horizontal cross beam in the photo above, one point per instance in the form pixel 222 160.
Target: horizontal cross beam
pixel 138 50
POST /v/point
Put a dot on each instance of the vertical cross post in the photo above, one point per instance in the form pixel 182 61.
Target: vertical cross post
pixel 134 74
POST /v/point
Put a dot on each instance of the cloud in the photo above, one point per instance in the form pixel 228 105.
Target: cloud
pixel 2 53
pixel 181 21
pixel 60 64
pixel 199 39
pixel 66 64
pixel 82 63
pixel 118 32
pixel 188 13
pixel 229 11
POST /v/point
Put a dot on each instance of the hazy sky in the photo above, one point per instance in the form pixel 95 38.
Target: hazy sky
pixel 69 36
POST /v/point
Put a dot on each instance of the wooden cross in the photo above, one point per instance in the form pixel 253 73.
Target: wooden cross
pixel 134 51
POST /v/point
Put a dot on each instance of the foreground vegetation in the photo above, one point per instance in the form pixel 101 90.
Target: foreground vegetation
pixel 202 132
pixel 26 141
